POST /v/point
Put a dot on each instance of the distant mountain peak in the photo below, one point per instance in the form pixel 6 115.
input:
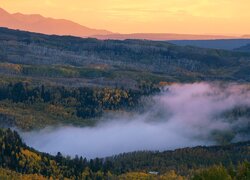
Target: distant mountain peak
pixel 46 25
pixel 41 24
pixel 28 15
pixel 246 36
pixel 3 11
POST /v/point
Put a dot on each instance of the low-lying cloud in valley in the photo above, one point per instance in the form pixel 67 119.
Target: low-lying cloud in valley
pixel 182 115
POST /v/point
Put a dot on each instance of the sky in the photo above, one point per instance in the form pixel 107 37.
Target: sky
pixel 228 17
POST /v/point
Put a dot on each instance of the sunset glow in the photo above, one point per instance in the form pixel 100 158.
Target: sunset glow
pixel 155 16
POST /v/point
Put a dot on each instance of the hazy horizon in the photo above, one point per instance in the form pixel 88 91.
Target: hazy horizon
pixel 128 33
pixel 178 17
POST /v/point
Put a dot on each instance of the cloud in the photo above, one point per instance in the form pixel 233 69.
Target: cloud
pixel 182 115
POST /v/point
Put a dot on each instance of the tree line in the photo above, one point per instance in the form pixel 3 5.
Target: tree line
pixel 223 162
pixel 89 102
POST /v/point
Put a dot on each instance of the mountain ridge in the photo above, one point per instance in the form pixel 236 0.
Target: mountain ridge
pixel 51 26
pixel 41 24
pixel 165 60
pixel 162 36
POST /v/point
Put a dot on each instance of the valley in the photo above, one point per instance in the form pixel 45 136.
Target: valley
pixel 76 108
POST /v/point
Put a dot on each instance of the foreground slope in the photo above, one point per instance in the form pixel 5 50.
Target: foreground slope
pixel 16 156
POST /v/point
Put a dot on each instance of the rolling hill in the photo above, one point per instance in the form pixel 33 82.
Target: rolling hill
pixel 226 44
pixel 245 48
pixel 132 68
pixel 121 61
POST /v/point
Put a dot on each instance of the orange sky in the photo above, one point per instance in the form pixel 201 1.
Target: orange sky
pixel 156 16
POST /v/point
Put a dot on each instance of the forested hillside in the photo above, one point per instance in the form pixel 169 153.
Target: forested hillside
pixel 189 162
pixel 226 44
pixel 26 106
pixel 64 80
pixel 245 48
pixel 70 81
pixel 107 58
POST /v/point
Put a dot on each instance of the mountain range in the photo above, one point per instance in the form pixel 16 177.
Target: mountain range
pixel 40 24
pixel 162 36
pixel 44 25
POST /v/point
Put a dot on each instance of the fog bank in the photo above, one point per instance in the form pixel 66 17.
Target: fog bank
pixel 182 115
